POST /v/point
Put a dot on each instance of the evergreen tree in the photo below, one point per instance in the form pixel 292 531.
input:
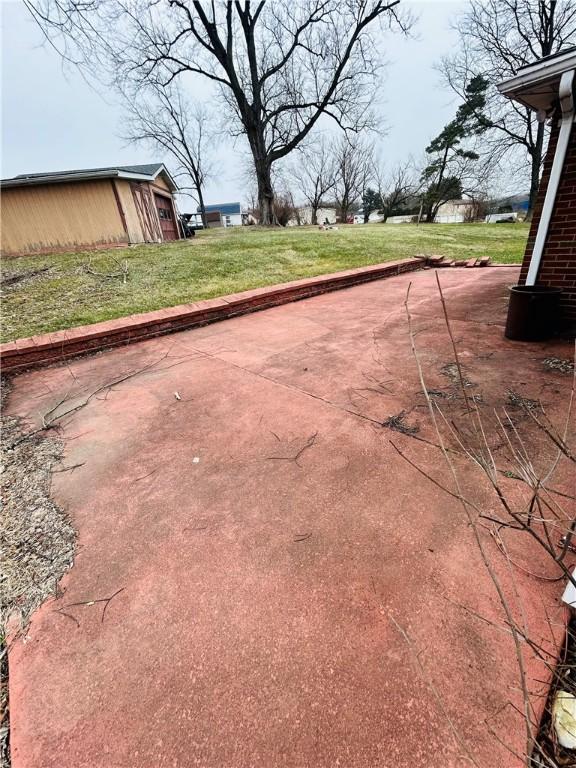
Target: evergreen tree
pixel 450 161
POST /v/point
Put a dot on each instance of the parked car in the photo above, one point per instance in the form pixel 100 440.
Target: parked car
pixel 190 224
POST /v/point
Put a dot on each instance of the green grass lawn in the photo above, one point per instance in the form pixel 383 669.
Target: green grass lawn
pixel 222 261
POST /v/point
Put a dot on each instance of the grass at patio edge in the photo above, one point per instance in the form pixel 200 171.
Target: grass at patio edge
pixel 223 261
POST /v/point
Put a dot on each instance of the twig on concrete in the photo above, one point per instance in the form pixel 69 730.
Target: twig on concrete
pixel 71 468
pixel 68 616
pixel 309 443
pixel 105 600
pixel 143 477
pixel 398 423
pixel 454 348
pixel 50 419
pixel 458 738
pixel 474 527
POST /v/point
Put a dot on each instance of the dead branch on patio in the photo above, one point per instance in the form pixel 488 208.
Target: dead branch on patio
pixel 148 474
pixel 309 443
pixel 71 468
pixel 460 377
pixel 51 419
pixel 427 679
pixel 538 513
pixel 105 600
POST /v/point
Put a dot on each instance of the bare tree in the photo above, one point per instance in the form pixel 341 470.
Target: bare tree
pixel 354 168
pixel 163 118
pixel 314 173
pixel 497 37
pixel 279 66
pixel 396 187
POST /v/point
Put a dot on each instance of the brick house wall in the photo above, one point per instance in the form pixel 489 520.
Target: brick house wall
pixel 558 265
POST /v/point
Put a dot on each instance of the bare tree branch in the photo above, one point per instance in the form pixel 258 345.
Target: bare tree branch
pixel 278 67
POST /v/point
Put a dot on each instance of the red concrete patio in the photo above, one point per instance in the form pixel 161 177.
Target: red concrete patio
pixel 264 531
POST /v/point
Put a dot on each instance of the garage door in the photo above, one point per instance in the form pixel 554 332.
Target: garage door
pixel 166 216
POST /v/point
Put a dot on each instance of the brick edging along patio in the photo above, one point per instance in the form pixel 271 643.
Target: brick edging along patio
pixel 60 345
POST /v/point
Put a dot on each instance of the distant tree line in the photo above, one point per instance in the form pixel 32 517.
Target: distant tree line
pixel 296 80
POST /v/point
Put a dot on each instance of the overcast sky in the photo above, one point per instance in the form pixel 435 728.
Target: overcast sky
pixel 53 120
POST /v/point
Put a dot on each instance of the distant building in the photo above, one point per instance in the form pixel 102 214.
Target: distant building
pixel 303 216
pixel 223 215
pixel 459 211
pixel 88 208
pixel 455 211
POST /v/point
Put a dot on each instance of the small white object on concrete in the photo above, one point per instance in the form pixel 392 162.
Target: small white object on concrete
pixel 564 718
pixel 196 460
pixel 569 596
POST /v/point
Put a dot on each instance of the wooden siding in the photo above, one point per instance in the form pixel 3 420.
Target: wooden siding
pixel 159 182
pixel 131 214
pixel 55 217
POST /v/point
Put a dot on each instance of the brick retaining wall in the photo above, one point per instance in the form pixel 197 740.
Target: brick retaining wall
pixel 60 345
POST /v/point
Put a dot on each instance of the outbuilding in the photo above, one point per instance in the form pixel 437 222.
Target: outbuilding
pixel 223 214
pixel 89 208
pixel 548 87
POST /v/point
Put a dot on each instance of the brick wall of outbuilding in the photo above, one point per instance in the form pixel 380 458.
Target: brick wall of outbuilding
pixel 558 265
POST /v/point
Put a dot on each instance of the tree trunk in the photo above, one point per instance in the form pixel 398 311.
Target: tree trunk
pixel 202 206
pixel 314 220
pixel 265 193
pixel 536 159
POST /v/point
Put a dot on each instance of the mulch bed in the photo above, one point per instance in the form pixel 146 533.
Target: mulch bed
pixel 36 536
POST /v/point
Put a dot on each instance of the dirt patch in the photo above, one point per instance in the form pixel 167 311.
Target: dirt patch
pixel 10 279
pixel 398 424
pixel 515 400
pixel 450 370
pixel 557 364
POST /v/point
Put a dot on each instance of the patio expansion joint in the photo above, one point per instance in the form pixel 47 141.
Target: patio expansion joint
pixel 319 398
pixel 296 390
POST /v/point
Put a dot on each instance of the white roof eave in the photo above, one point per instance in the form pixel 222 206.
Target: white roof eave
pixel 537 86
